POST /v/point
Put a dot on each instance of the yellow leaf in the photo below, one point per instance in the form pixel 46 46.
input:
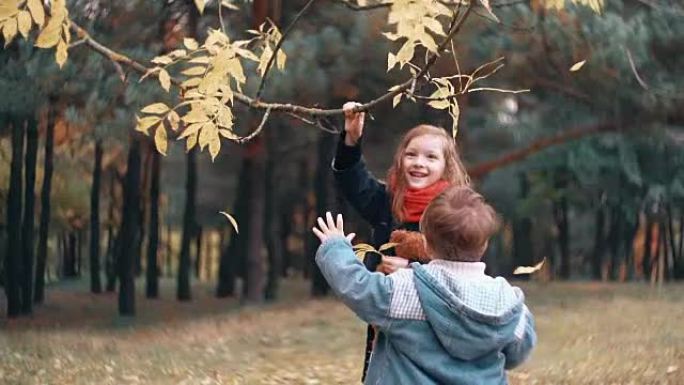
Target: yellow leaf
pixel 160 139
pixel 194 71
pixel 192 82
pixel 455 112
pixel 191 142
pixel 190 43
pixel 388 246
pixel 245 53
pixel 214 147
pixel 577 66
pixel 200 5
pixel 281 58
pixel 207 134
pixel 195 116
pixel 49 36
pixel 144 124
pixel 231 220
pixel 199 60
pixel 65 31
pixel 263 60
pixel 9 30
pixel 61 53
pixel 175 54
pixel 396 99
pixel 190 130
pixel 8 8
pixel 164 80
pixel 173 120
pixel 155 108
pixel 529 269
pixel 405 53
pixel 37 11
pixel 228 134
pixel 163 59
pixel 24 21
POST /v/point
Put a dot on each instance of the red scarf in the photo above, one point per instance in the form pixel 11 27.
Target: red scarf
pixel 416 200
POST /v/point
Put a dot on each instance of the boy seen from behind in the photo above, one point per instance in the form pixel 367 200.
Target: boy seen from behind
pixel 444 322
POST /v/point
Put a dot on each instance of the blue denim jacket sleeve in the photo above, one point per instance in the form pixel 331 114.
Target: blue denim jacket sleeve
pixel 517 351
pixel 367 294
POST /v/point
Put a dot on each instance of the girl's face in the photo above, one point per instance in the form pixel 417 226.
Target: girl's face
pixel 423 161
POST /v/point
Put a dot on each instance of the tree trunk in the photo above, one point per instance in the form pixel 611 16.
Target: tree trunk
pixel 95 281
pixel 647 262
pixel 614 241
pixel 29 214
pixel 13 260
pixel 272 223
pixel 232 260
pixel 599 244
pixel 112 238
pixel 152 273
pixel 129 230
pixel 324 202
pixel 255 274
pixel 561 217
pixel 39 292
pixel 183 289
pixel 523 254
pixel 198 251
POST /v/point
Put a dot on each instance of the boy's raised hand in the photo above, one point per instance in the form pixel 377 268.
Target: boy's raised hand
pixel 353 123
pixel 329 228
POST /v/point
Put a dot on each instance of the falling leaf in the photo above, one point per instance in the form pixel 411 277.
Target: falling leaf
pixel 671 369
pixel 529 269
pixel 231 220
pixel 576 67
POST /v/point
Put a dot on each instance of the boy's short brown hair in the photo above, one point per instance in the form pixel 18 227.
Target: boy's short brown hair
pixel 457 225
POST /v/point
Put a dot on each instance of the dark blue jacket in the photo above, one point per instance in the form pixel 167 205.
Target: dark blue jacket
pixel 367 195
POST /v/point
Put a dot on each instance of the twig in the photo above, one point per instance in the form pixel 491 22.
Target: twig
pixel 357 7
pixel 220 15
pixel 77 43
pixel 371 7
pixel 256 132
pixel 636 74
pixel 120 71
pixel 277 47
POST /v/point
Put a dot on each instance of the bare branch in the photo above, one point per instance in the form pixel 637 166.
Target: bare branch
pixel 278 45
pixel 481 169
pixel 357 7
pixel 256 132
pixel 642 83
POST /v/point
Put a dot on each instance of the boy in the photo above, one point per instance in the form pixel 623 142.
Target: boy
pixel 444 322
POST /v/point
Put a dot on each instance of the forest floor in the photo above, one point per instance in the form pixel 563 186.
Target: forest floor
pixel 589 333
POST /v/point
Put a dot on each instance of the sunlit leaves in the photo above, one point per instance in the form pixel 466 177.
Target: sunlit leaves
pixel 160 140
pixel 56 31
pixel 165 80
pixel 156 108
pixel 24 23
pixel 577 66
pixel 417 23
pixel 37 11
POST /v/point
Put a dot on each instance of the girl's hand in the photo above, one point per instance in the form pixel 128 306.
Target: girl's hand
pixel 330 228
pixel 391 264
pixel 353 123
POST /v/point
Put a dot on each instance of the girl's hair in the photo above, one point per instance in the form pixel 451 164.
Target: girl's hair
pixel 454 171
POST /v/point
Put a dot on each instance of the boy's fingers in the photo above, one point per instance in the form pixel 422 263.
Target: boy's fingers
pixel 318 233
pixel 340 223
pixel 322 225
pixel 350 236
pixel 329 219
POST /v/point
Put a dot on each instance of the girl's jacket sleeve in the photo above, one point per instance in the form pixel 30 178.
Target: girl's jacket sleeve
pixel 361 189
pixel 367 294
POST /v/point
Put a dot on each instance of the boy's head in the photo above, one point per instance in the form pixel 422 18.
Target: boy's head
pixel 457 225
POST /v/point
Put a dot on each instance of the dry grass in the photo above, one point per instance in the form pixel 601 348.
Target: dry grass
pixel 589 334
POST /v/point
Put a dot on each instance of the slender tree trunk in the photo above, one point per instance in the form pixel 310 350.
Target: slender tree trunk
pixel 324 202
pixel 647 262
pixel 599 244
pixel 39 292
pixel 561 217
pixel 112 238
pixel 129 230
pixel 680 257
pixel 523 254
pixel 13 268
pixel 255 274
pixel 152 273
pixel 95 281
pixel 198 251
pixel 614 241
pixel 183 290
pixel 232 259
pixel 272 224
pixel 29 214
pixel 169 251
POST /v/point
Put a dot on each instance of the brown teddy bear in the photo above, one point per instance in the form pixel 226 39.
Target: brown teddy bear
pixel 411 245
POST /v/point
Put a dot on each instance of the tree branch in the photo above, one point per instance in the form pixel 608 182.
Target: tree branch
pixel 481 169
pixel 284 107
pixel 256 132
pixel 278 45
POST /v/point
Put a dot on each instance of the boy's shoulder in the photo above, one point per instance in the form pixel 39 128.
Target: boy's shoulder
pixel 405 303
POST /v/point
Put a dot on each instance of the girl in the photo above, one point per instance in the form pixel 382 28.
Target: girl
pixel 425 164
